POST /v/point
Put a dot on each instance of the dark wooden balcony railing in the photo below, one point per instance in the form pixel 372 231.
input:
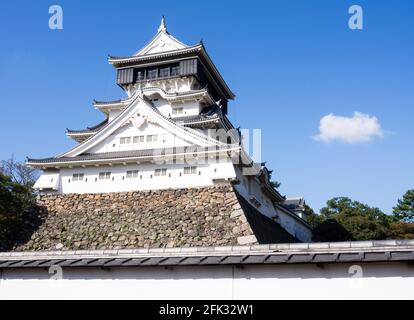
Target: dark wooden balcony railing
pixel 131 75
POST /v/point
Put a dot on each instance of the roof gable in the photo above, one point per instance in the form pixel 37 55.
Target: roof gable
pixel 162 42
pixel 138 112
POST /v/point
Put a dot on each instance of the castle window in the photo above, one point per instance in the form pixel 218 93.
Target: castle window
pixel 190 170
pixel 104 176
pixel 78 177
pixel 160 172
pixel 132 174
pixel 152 74
pixel 126 140
pixel 139 139
pixel 165 72
pixel 152 138
pixel 177 111
pixel 141 75
pixel 175 71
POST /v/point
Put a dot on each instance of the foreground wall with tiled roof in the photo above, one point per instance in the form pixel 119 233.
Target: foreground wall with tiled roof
pixel 214 216
pixel 342 270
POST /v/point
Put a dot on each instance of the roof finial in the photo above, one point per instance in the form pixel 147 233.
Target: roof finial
pixel 163 26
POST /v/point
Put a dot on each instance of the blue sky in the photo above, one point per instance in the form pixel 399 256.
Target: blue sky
pixel 290 63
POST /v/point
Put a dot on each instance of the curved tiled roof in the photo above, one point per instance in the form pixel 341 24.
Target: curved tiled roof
pixel 97 102
pixel 390 251
pixel 90 130
pixel 209 114
pixel 128 59
pixel 156 57
pixel 122 155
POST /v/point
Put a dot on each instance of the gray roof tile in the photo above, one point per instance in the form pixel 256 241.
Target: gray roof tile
pixel 387 252
pixel 112 155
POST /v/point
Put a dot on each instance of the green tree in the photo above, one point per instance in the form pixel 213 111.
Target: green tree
pixel 19 172
pixel 358 220
pixel 401 230
pixel 404 211
pixel 330 230
pixel 16 216
pixel 313 219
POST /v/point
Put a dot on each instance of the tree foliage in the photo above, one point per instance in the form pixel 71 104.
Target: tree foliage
pixel 361 221
pixel 401 230
pixel 344 219
pixel 404 210
pixel 330 230
pixel 18 172
pixel 16 202
pixel 17 217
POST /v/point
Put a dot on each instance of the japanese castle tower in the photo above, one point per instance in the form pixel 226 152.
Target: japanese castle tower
pixel 171 132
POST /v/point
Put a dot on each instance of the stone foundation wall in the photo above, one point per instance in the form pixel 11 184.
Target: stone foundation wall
pixel 170 218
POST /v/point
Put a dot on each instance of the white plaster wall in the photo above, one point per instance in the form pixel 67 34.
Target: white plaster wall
pixel 163 106
pixel 335 281
pixel 113 114
pixel 165 139
pixel 92 184
pixel 190 108
pixel 295 228
pixel 250 187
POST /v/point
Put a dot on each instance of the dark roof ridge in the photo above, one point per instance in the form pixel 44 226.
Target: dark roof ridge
pixel 92 129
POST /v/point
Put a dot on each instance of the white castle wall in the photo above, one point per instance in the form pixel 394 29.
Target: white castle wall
pixel 164 139
pixel 250 187
pixel 190 108
pixel 146 180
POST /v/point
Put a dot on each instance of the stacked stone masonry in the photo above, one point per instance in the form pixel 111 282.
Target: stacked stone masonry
pixel 212 216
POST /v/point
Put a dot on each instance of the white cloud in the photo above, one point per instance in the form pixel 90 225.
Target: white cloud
pixel 359 128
